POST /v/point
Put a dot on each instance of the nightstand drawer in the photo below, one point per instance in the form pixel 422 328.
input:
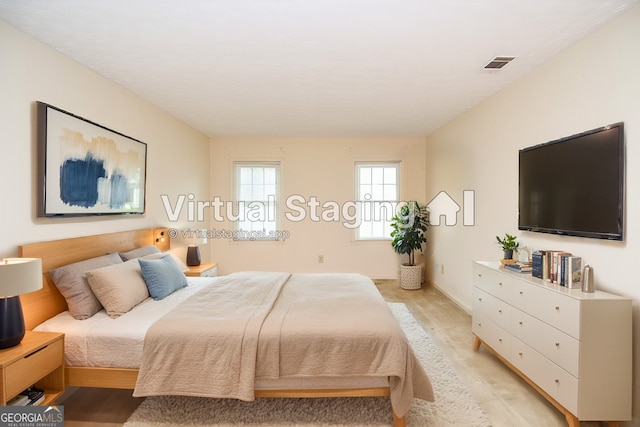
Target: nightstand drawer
pixel 211 272
pixel 209 269
pixel 27 371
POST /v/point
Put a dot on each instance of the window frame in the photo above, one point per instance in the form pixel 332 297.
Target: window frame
pixel 239 234
pixel 398 165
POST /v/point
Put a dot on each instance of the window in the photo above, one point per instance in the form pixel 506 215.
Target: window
pixel 256 189
pixel 378 189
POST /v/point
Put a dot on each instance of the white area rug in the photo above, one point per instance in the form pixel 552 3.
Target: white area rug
pixel 453 406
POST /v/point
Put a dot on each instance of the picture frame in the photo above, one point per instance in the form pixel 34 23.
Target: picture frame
pixel 87 169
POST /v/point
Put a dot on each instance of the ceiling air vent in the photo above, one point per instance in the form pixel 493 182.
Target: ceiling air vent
pixel 499 62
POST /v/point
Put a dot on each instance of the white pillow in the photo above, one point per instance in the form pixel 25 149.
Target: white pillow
pixel 138 252
pixel 71 281
pixel 118 287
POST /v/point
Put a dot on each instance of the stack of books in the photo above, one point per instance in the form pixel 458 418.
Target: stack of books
pixel 29 397
pixel 559 267
pixel 519 267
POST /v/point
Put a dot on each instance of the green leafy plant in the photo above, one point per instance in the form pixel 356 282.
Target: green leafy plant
pixel 508 242
pixel 409 229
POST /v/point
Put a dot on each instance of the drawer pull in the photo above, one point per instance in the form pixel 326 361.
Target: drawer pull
pixel 500 339
pixel 500 311
pixel 499 283
pixel 557 307
pixel 37 351
pixel 479 275
pixel 479 324
pixel 557 381
pixel 557 344
pixel 520 354
pixel 520 323
pixel 480 299
pixel 521 293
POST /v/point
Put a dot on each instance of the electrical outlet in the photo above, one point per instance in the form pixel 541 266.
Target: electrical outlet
pixel 320 259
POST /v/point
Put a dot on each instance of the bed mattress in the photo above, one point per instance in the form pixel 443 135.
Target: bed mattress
pixel 102 341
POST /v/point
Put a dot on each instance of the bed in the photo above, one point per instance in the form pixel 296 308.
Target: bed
pixel 293 354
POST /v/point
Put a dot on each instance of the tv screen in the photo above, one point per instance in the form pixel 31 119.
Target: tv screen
pixel 574 185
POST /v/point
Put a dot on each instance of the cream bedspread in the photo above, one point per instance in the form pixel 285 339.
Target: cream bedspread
pixel 254 325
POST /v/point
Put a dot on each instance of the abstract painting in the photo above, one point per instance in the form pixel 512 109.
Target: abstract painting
pixel 87 169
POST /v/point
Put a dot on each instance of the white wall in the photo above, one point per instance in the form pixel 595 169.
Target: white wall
pixel 594 83
pixel 323 168
pixel 32 72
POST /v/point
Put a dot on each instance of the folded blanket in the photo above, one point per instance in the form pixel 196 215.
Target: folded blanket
pixel 207 346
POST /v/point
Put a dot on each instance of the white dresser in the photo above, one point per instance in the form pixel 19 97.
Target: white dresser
pixel 575 348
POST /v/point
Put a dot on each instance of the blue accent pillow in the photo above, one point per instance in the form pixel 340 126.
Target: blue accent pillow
pixel 162 276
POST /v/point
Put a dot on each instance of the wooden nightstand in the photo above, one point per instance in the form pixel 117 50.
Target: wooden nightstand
pixel 37 361
pixel 209 269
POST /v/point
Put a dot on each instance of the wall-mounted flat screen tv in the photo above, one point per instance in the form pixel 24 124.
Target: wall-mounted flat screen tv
pixel 575 185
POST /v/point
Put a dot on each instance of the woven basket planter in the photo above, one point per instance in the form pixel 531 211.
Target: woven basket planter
pixel 410 276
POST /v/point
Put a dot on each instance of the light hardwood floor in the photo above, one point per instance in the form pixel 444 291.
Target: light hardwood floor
pixel 507 400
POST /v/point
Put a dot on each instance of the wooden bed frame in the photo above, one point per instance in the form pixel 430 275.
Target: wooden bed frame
pixel 43 304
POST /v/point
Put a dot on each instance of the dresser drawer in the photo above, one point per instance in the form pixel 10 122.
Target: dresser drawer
pixel 557 382
pixel 492 308
pixel 560 348
pixel 493 335
pixel 31 368
pixel 556 309
pixel 491 281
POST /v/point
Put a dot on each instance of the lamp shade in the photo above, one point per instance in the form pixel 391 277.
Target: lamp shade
pixel 17 276
pixel 196 236
pixel 20 276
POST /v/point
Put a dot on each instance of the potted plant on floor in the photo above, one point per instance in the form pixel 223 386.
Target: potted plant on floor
pixel 509 244
pixel 409 227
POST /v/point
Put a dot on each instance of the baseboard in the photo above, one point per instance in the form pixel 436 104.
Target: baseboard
pixel 451 298
pixel 394 277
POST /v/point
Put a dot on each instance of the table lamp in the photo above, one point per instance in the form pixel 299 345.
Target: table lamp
pixel 193 251
pixel 17 276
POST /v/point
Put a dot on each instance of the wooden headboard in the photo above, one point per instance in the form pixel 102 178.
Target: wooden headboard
pixel 47 302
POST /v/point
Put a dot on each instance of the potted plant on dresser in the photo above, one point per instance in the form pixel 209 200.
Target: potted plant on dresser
pixel 509 245
pixel 409 227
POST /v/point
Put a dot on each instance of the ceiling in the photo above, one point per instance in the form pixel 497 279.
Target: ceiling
pixel 317 68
